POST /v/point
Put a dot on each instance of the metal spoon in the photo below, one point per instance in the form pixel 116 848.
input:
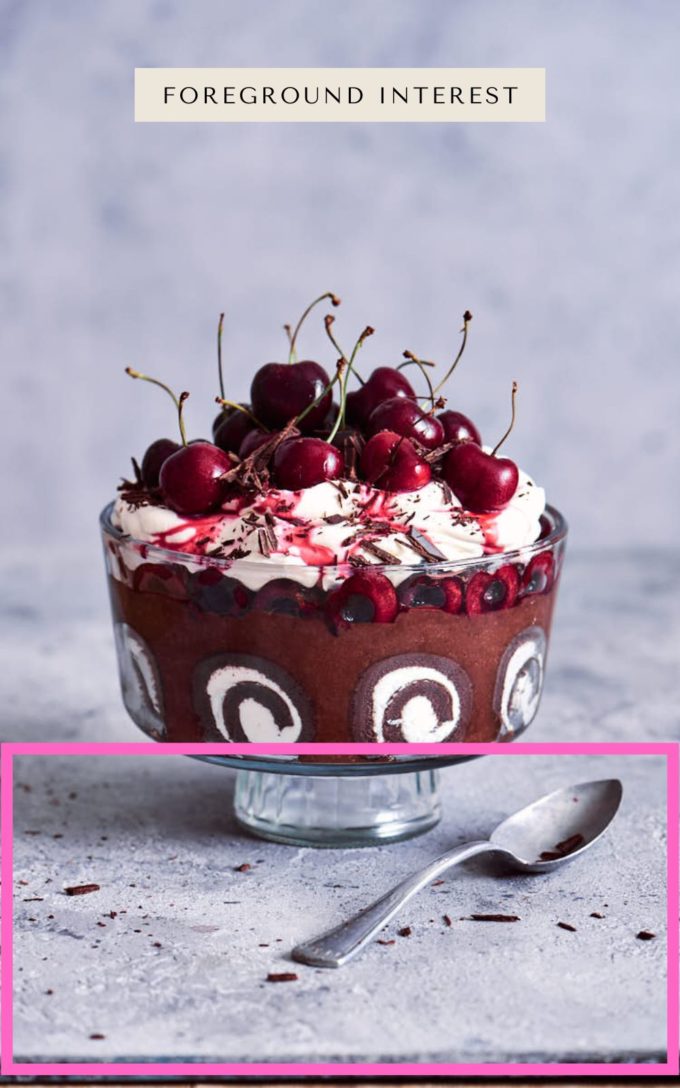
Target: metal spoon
pixel 537 839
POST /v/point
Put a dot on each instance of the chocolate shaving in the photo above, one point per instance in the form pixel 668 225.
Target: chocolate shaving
pixel 379 553
pixel 563 849
pixel 645 935
pixel 238 553
pixel 137 471
pixel 567 926
pixel 263 542
pixel 414 540
pixel 433 456
pixel 380 941
pixel 491 918
pixel 282 976
pixel 334 519
pixel 82 889
pixel 357 561
pixel 448 493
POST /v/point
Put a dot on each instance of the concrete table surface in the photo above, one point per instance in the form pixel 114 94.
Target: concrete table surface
pixel 169 959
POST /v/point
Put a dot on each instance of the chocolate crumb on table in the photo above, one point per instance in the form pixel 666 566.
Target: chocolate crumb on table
pixel 382 941
pixel 645 935
pixel 447 921
pixel 406 931
pixel 97 1035
pixel 82 889
pixel 244 868
pixel 282 976
pixel 567 926
pixel 596 914
pixel 491 918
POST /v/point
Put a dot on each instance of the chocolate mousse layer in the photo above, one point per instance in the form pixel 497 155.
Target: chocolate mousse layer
pixel 222 668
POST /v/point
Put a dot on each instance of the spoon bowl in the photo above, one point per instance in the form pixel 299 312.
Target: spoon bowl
pixel 558 827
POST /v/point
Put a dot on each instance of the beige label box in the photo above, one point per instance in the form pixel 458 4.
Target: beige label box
pixel 339 94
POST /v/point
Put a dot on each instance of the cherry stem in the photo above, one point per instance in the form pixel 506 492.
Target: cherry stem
pixel 340 421
pixel 240 408
pixel 467 318
pixel 328 325
pixel 421 364
pixel 177 401
pixel 220 325
pixel 293 338
pixel 498 445
pixel 180 416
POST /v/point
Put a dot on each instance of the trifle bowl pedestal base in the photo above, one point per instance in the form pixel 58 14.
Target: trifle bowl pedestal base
pixel 336 805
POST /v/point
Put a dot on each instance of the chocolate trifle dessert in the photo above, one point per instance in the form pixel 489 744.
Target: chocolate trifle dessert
pixel 345 561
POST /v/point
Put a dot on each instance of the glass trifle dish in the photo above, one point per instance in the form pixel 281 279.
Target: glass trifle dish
pixel 346 561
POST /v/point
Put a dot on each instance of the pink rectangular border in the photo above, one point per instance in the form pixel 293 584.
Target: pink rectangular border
pixel 9 1067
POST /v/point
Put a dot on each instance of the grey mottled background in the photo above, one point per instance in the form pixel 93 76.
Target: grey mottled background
pixel 121 243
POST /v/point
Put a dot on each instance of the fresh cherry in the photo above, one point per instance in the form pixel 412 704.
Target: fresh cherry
pixel 304 462
pixel 406 417
pixel 482 482
pixel 458 428
pixel 424 591
pixel 191 478
pixel 539 574
pixel 492 592
pixel 252 441
pixel 281 391
pixel 346 434
pixel 213 591
pixel 232 428
pixel 285 597
pixel 170 579
pixel 152 462
pixel 389 461
pixel 365 597
pixel 384 383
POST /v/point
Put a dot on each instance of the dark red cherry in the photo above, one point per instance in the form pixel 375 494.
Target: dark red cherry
pixel 482 482
pixel 390 462
pixel 212 591
pixel 170 579
pixel 281 391
pixel 346 434
pixel 404 416
pixel 252 441
pixel 539 574
pixel 191 478
pixel 288 598
pixel 153 459
pixel 384 383
pixel 232 429
pixel 424 591
pixel 458 428
pixel 365 597
pixel 304 462
pixel 492 592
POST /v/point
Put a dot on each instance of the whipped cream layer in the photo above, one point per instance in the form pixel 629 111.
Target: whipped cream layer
pixel 336 524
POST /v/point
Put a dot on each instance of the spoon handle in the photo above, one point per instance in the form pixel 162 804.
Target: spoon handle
pixel 339 945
